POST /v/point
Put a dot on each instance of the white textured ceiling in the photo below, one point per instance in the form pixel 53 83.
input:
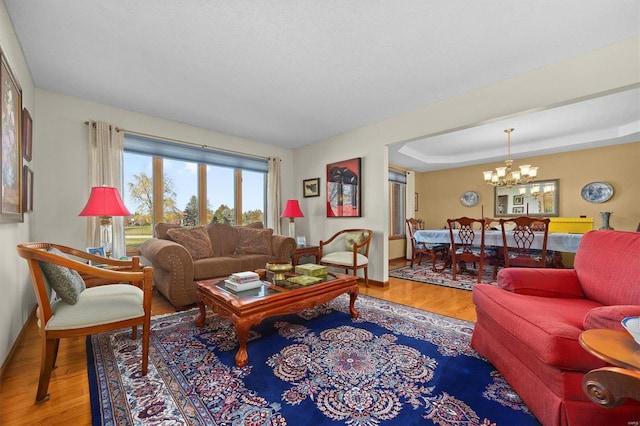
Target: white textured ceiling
pixel 290 73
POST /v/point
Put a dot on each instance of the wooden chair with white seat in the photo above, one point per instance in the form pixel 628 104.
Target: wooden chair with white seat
pixel 89 299
pixel 349 250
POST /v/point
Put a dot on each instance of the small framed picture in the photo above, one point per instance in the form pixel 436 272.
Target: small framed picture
pixel 27 135
pixel 311 187
pixel 301 240
pixel 518 210
pixel 518 200
pixel 96 251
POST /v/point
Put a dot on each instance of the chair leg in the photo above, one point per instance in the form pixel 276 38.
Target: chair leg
pixel 366 277
pixel 146 332
pixel 480 265
pixel 134 332
pixel 49 354
pixel 432 253
pixel 454 267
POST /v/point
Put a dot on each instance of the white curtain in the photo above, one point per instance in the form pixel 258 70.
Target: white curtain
pixel 106 148
pixel 274 196
pixel 412 209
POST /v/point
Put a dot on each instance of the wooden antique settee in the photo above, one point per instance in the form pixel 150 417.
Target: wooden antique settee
pixel 182 256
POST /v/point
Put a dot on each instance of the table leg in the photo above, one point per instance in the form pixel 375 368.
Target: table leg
pixel 242 331
pixel 203 313
pixel 353 294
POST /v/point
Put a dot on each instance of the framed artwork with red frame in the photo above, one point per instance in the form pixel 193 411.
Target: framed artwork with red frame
pixel 344 188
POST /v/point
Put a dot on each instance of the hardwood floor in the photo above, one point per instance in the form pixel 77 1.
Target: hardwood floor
pixel 69 389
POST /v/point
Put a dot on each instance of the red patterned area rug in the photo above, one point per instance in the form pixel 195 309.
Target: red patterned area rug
pixel 424 274
pixel 394 365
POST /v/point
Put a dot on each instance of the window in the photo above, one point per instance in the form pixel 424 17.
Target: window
pixel 221 195
pixel 198 186
pixel 397 198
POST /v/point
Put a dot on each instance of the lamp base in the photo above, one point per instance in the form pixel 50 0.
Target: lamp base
pixel 292 228
pixel 106 235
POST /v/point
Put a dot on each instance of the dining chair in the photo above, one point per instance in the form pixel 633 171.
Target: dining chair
pixel 465 247
pixel 519 235
pixel 349 251
pixel 420 249
pixel 78 299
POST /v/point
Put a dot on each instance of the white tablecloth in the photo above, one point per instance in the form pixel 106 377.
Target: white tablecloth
pixel 558 241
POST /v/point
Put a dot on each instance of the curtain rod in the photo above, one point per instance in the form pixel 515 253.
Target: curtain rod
pixel 132 132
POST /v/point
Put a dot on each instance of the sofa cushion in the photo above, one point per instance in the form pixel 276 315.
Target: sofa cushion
pixel 67 283
pixel 607 267
pixel 160 230
pixel 226 238
pixel 251 262
pixel 254 241
pixel 548 327
pixel 195 240
pixel 213 267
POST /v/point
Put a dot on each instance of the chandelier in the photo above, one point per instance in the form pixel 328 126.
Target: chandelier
pixel 504 176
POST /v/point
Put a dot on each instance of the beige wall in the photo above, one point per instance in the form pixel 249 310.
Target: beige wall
pixel 618 165
pixel 397 248
pixel 18 298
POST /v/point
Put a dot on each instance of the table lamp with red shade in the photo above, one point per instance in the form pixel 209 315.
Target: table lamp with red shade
pixel 292 210
pixel 105 202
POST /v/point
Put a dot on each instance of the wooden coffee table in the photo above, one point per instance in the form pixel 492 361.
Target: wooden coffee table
pixel 251 307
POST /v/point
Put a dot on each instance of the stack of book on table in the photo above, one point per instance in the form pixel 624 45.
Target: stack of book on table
pixel 241 281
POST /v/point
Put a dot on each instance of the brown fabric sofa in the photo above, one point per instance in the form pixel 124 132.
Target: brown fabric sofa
pixel 182 256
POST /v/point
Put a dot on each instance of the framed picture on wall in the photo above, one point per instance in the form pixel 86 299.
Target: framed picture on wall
pixel 518 210
pixel 27 133
pixel 27 189
pixel 311 187
pixel 11 155
pixel 344 188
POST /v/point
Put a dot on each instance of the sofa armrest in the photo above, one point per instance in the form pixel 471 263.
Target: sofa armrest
pixel 166 254
pixel 283 247
pixel 610 316
pixel 545 282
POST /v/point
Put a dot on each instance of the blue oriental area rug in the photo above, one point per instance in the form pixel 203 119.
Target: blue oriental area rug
pixel 394 365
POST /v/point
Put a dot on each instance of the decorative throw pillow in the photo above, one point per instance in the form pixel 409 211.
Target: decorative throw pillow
pixel 353 238
pixel 67 283
pixel 254 241
pixel 160 230
pixel 195 240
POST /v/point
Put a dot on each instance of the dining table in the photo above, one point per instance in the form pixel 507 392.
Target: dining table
pixel 556 241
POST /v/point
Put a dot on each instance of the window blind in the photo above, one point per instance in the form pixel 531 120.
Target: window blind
pixel 161 148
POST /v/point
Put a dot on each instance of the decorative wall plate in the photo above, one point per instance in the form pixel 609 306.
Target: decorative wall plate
pixel 597 192
pixel 469 198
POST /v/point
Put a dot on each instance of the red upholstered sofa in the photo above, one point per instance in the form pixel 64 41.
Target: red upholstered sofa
pixel 528 326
